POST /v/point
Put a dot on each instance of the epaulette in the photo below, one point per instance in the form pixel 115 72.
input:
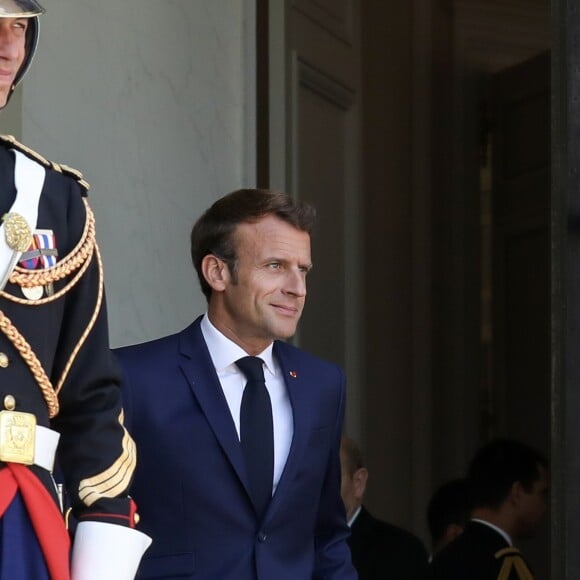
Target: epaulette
pixel 58 167
pixel 512 561
pixel 510 551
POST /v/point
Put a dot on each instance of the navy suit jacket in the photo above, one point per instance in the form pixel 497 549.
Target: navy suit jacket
pixel 191 486
pixel 382 551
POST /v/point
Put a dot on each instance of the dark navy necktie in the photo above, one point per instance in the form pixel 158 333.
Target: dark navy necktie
pixel 257 432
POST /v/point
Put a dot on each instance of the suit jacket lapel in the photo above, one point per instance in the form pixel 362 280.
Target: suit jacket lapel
pixel 198 369
pixel 296 380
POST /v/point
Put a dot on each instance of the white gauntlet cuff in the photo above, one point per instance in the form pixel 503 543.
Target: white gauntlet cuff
pixel 107 551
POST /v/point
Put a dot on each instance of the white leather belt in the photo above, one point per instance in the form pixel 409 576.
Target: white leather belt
pixel 45 444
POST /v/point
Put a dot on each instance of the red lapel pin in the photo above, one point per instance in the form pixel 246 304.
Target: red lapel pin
pixel 293 374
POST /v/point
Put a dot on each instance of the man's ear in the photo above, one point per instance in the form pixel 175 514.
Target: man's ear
pixel 359 482
pixel 215 272
pixel 516 492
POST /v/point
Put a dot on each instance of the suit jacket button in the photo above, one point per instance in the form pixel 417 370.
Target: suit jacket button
pixel 262 537
pixel 4 361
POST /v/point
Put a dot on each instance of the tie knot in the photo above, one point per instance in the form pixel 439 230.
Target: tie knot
pixel 252 368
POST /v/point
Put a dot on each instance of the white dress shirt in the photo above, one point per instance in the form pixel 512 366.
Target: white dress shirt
pixel 224 353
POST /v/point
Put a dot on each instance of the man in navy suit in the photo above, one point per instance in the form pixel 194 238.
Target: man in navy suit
pixel 186 406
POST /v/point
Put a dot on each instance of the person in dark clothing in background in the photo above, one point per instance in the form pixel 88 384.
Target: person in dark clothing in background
pixel 448 512
pixel 509 483
pixel 379 550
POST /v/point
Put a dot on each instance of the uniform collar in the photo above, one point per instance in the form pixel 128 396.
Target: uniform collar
pixel 501 532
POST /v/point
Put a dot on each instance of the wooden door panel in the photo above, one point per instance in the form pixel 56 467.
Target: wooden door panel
pixel 521 270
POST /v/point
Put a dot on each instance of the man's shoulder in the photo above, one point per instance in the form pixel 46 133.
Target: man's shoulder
pixel 472 553
pixel 380 546
pixel 146 351
pixel 162 344
pixel 395 536
pixel 512 564
pixel 293 353
pixel 402 537
pixel 10 142
pixel 144 348
pixel 325 378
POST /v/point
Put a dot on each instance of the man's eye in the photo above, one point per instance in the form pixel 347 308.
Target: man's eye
pixel 274 265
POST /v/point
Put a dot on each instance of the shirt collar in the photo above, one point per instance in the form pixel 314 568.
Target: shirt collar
pixel 354 516
pixel 225 352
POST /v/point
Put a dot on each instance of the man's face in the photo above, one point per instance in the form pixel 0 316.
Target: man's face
pixel 347 488
pixel 352 485
pixel 263 301
pixel 12 53
pixel 533 505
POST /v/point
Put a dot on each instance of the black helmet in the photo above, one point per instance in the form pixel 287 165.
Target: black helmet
pixel 24 9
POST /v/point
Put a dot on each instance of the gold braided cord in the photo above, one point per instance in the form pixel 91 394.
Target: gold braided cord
pixel 56 295
pixel 90 325
pixel 512 560
pixel 80 256
pixel 505 570
pixel 78 260
pixel 517 563
pixel 522 569
pixel 33 363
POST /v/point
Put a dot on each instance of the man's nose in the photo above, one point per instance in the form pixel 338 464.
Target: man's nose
pixel 296 283
pixel 8 46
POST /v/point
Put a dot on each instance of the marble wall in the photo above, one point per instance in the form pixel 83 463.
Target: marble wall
pixel 154 101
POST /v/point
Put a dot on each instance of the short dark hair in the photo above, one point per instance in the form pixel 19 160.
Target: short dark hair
pixel 449 504
pixel 213 232
pixel 497 466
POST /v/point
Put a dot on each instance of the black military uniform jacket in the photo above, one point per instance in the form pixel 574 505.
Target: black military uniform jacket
pixel 66 330
pixel 479 553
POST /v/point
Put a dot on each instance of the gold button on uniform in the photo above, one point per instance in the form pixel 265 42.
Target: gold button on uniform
pixel 137 519
pixel 9 403
pixel 4 362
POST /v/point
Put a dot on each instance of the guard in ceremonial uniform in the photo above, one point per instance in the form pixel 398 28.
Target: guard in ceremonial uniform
pixel 59 386
pixel 479 553
pixel 508 484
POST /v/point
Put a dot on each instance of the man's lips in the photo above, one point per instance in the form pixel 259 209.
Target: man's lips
pixel 286 310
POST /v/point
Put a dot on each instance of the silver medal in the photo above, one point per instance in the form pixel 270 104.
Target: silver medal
pixel 33 293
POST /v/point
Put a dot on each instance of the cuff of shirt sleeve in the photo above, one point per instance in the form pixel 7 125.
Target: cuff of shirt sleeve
pixel 102 550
